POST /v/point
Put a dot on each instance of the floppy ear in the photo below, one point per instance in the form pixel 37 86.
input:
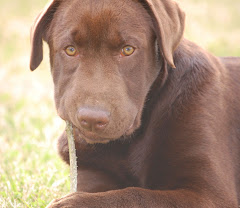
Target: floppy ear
pixel 169 22
pixel 38 32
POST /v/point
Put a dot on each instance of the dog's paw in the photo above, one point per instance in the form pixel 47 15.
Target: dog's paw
pixel 81 200
pixel 68 201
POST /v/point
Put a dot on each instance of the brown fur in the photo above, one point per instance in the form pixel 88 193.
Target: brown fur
pixel 173 109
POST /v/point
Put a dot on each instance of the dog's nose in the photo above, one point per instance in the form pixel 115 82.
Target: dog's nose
pixel 93 120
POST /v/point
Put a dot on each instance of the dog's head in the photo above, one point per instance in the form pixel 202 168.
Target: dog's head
pixel 104 59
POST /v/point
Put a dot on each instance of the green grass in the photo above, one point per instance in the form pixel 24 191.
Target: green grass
pixel 31 172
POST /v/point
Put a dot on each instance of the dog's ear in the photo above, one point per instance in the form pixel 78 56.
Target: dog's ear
pixel 169 22
pixel 38 33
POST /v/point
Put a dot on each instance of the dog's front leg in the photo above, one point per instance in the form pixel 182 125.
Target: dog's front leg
pixel 134 198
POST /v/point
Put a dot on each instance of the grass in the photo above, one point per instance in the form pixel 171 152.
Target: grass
pixel 31 173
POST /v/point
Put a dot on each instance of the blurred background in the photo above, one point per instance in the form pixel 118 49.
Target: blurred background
pixel 31 173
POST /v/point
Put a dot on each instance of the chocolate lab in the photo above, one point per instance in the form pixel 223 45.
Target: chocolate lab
pixel 156 118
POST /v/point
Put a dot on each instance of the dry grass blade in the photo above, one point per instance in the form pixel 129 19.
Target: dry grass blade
pixel 72 157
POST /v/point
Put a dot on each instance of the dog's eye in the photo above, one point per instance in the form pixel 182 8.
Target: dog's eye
pixel 71 51
pixel 127 51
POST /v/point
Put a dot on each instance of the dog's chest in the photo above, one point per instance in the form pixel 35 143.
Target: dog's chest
pixel 132 164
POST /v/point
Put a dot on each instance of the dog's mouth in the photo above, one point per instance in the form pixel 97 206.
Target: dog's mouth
pixel 94 138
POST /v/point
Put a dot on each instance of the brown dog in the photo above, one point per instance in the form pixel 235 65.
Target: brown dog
pixel 156 118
